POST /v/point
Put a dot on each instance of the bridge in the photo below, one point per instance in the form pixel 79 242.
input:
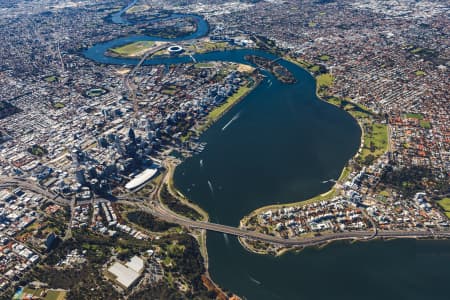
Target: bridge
pixel 161 212
pixel 156 209
pixel 130 76
pixel 193 58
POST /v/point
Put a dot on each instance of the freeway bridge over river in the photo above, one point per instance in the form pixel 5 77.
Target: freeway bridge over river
pixel 161 212
pixel 156 209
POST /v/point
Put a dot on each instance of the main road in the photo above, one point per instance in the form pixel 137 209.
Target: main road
pixel 161 212
pixel 158 210
pixel 8 182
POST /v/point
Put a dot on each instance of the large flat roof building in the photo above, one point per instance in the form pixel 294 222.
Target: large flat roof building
pixel 127 275
pixel 140 179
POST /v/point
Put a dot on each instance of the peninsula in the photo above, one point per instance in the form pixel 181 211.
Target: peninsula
pixel 148 151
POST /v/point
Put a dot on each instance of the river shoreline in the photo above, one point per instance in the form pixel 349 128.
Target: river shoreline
pixel 226 106
pixel 346 171
pixel 219 116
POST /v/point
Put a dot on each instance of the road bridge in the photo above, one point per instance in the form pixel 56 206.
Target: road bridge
pixel 159 211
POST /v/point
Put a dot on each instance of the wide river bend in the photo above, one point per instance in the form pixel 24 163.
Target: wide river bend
pixel 282 144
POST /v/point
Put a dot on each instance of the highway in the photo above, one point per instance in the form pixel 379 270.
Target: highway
pixel 8 182
pixel 158 210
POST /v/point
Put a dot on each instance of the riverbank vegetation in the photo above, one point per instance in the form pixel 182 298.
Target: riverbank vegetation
pixel 138 8
pixel 219 111
pixel 375 133
pixel 266 44
pixel 203 65
pixel 148 221
pixel 171 189
pixel 280 72
pixel 324 80
pixel 177 206
pixel 314 69
pixel 321 197
pixel 375 138
pixel 172 29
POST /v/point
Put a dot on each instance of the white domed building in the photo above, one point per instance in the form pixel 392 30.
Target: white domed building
pixel 175 50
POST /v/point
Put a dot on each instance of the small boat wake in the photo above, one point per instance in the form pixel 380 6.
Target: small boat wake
pixel 234 118
pixel 329 180
pixel 211 188
pixel 254 280
pixel 227 240
pixel 201 163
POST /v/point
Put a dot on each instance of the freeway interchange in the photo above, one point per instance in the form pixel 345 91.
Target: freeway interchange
pixel 155 208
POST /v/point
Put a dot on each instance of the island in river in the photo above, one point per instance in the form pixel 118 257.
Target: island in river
pixel 281 145
pixel 280 72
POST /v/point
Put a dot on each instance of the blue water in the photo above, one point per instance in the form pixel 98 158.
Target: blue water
pixel 117 17
pixel 280 148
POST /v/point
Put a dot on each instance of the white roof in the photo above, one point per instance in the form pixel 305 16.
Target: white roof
pixel 124 275
pixel 136 264
pixel 141 178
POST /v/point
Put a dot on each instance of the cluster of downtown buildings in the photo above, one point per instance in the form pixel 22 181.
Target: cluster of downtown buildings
pixel 74 126
pixel 90 134
pixel 102 142
pixel 394 61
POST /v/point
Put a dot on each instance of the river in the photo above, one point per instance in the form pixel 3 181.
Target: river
pixel 277 146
